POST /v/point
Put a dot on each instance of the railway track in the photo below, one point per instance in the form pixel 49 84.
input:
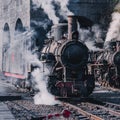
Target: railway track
pixel 92 111
pixel 81 114
pixel 27 110
pixel 19 111
pixel 112 106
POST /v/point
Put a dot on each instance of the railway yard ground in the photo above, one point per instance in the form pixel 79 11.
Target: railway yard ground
pixel 102 104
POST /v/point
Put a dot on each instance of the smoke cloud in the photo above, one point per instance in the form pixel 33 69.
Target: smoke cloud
pixel 43 97
pixel 43 24
pixel 114 29
pixel 40 79
pixel 64 11
pixel 49 8
pixel 91 36
pixel 91 46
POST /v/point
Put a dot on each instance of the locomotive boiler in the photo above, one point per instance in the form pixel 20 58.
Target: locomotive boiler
pixel 67 59
pixel 109 74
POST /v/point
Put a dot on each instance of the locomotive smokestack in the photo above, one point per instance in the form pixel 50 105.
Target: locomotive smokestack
pixel 72 26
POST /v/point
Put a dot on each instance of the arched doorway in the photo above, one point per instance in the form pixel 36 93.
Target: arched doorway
pixel 18 47
pixel 19 25
pixel 5 48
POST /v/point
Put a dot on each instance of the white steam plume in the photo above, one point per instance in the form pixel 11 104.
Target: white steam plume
pixel 43 97
pixel 49 8
pixel 89 37
pixel 39 77
pixel 20 39
pixel 98 33
pixel 91 46
pixel 43 24
pixel 64 11
pixel 114 29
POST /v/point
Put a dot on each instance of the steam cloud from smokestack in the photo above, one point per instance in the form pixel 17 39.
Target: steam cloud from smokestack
pixel 49 8
pixel 114 29
pixel 91 36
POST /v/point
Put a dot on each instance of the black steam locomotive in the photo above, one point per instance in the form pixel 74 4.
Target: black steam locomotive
pixel 67 59
pixel 107 69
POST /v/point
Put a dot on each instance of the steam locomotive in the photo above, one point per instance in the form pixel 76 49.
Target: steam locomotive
pixel 107 69
pixel 67 59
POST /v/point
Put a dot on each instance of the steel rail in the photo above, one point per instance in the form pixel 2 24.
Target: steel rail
pixel 84 113
pixel 106 109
